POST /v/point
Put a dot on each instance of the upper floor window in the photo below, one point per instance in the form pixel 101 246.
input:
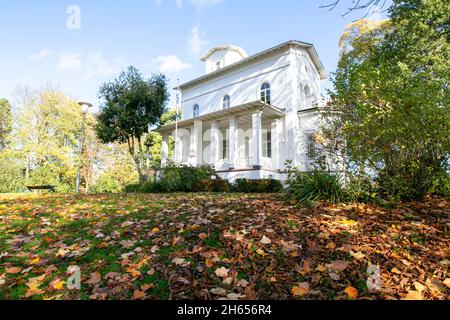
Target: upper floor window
pixel 196 111
pixel 265 93
pixel 226 102
pixel 217 65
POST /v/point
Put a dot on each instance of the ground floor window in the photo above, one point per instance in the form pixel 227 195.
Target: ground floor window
pixel 269 144
pixel 224 149
pixel 311 146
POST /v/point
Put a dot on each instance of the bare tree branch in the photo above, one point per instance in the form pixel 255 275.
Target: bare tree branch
pixel 357 5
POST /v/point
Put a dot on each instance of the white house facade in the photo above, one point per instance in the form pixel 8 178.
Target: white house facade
pixel 247 116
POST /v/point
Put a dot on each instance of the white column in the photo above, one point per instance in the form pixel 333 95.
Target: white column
pixel 164 150
pixel 214 142
pixel 193 148
pixel 233 143
pixel 179 148
pixel 198 133
pixel 257 139
pixel 275 145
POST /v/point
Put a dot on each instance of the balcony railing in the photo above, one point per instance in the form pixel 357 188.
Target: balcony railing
pixel 244 163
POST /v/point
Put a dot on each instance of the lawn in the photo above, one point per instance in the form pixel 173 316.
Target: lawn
pixel 201 246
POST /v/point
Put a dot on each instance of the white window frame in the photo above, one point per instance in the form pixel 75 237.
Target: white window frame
pixel 196 111
pixel 264 91
pixel 226 103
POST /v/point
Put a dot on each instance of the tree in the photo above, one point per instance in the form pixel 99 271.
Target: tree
pixel 47 139
pixel 131 106
pixel 5 122
pixel 391 97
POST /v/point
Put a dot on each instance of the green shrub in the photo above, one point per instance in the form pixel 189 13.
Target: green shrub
pixel 306 187
pixel 257 186
pixel 106 183
pixel 132 188
pixel 178 179
pixel 361 189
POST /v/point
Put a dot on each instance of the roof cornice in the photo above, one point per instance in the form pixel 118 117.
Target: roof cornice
pixel 292 43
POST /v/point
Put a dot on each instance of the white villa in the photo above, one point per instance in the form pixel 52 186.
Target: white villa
pixel 248 115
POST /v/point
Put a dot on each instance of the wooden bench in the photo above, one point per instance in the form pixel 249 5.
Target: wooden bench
pixel 37 188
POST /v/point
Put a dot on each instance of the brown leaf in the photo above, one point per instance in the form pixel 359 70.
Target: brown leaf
pixel 95 278
pixel 138 295
pixel 338 265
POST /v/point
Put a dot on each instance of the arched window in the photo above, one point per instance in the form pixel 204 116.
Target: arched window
pixel 196 111
pixel 265 93
pixel 226 102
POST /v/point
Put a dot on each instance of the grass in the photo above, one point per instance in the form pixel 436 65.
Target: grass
pixel 171 247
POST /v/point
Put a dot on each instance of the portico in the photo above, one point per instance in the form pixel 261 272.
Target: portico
pixel 248 137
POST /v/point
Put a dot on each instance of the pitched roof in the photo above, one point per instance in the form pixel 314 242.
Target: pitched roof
pixel 224 47
pixel 292 43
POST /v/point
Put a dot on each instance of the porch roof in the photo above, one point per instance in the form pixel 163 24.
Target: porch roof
pixel 269 112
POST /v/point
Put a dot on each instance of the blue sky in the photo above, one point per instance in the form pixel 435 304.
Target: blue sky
pixel 40 47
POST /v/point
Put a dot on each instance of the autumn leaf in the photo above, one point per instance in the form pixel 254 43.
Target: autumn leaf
pixel 338 265
pixel 351 292
pixel 138 294
pixel 413 295
pixel 301 290
pixel 33 285
pixel 13 270
pixel 265 240
pixel 180 262
pixel 95 278
pixel 222 272
pixel 57 284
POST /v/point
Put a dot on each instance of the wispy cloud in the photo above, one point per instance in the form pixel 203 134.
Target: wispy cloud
pixel 198 4
pixel 43 54
pixel 170 63
pixel 96 65
pixel 197 42
pixel 91 65
pixel 69 62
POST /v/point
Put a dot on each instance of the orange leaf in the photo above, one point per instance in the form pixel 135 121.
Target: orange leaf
pixel 301 290
pixel 137 294
pixel 13 270
pixel 351 292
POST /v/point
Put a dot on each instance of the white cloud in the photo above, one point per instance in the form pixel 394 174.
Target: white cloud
pixel 197 43
pixel 69 62
pixel 43 54
pixel 96 65
pixel 91 65
pixel 170 63
pixel 157 2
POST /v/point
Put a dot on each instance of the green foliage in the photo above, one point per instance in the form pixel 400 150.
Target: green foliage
pixel 175 178
pixel 11 173
pixel 47 139
pixel 107 184
pixel 132 104
pixel 391 98
pixel 306 187
pixel 5 122
pixel 257 186
pixel 361 189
